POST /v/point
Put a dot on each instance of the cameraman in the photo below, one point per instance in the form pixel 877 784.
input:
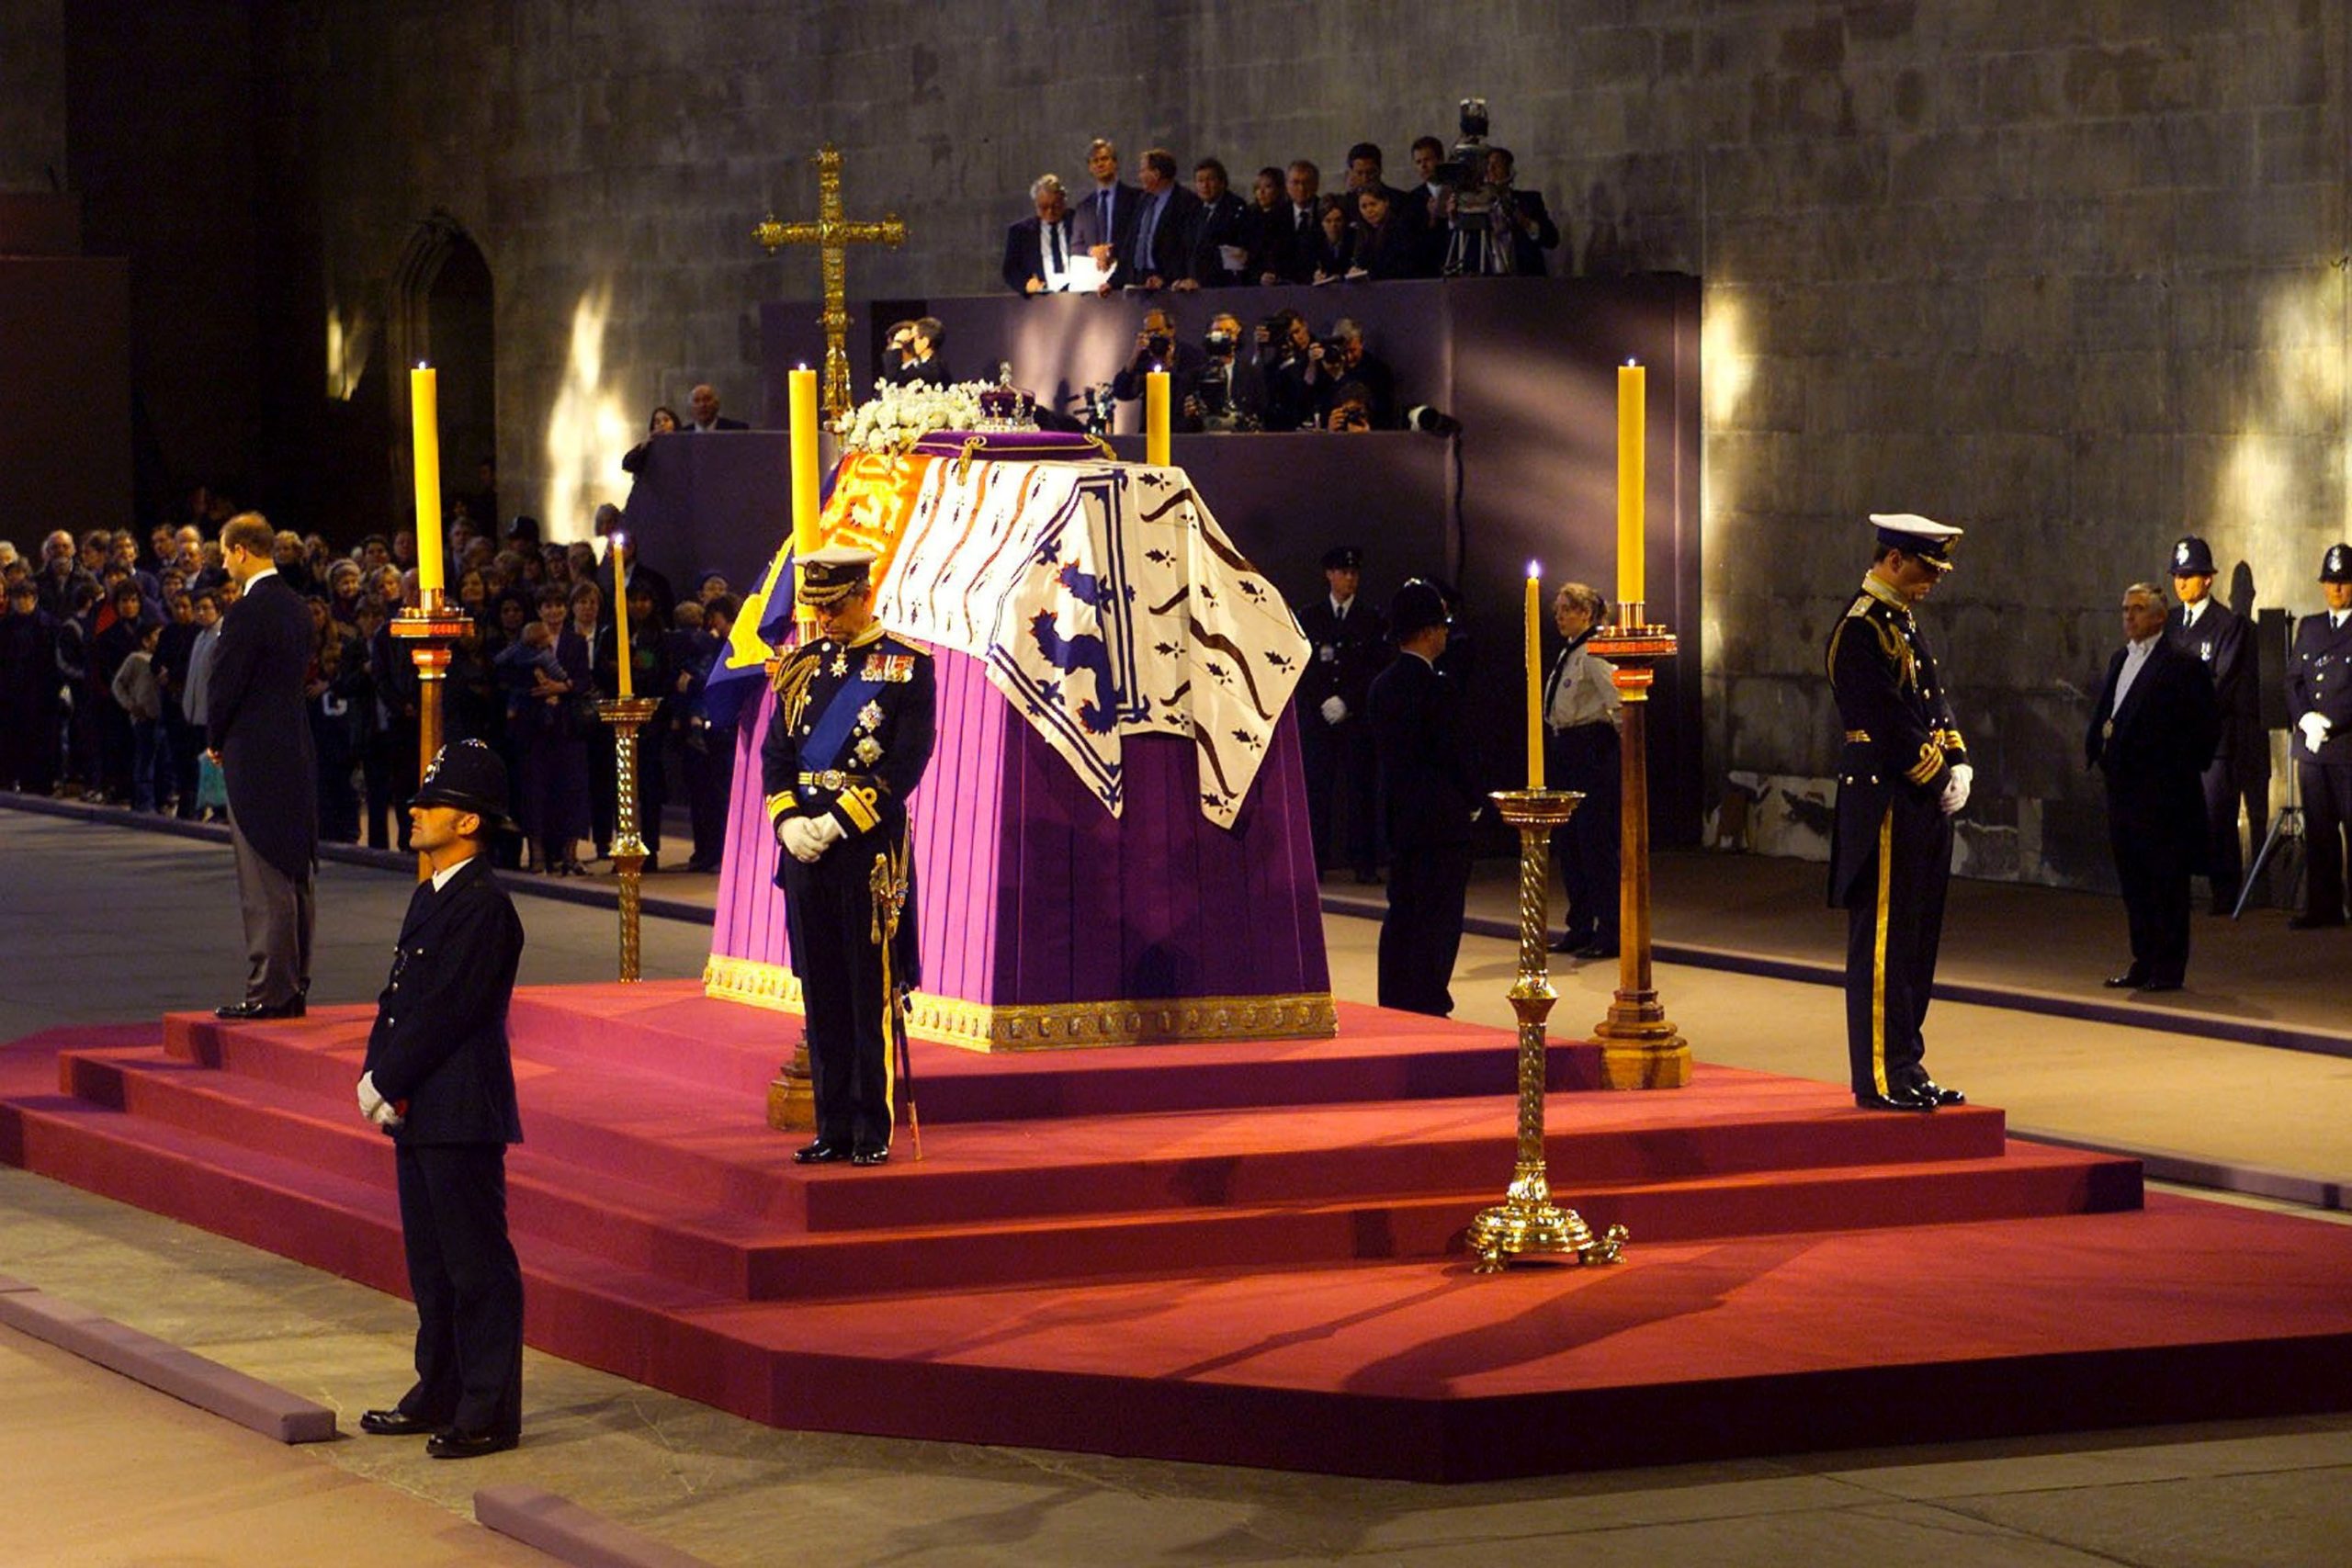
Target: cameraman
pixel 1340 372
pixel 1156 349
pixel 1228 395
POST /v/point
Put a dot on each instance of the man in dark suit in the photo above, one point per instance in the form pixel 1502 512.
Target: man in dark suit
pixel 1532 230
pixel 1159 348
pixel 2151 735
pixel 1222 232
pixel 852 733
pixel 1293 238
pixel 1167 225
pixel 1350 639
pixel 2319 699
pixel 257 729
pixel 704 401
pixel 634 573
pixel 1431 785
pixel 2209 631
pixel 1037 249
pixel 1902 775
pixel 438 1078
pixel 1106 218
pixel 926 361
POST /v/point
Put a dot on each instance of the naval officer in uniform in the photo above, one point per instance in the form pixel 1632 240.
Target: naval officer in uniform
pixel 848 742
pixel 1902 775
pixel 2319 696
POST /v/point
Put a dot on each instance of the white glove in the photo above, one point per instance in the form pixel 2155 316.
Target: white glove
pixel 1334 710
pixel 370 1101
pixel 829 832
pixel 1956 788
pixel 2315 728
pixel 798 836
pixel 386 1116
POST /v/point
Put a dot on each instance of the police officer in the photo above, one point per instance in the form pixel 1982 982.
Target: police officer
pixel 849 741
pixel 1350 643
pixel 1431 785
pixel 439 1079
pixel 1902 776
pixel 2319 696
pixel 2240 772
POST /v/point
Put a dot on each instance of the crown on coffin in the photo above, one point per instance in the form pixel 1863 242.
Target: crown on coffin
pixel 1005 407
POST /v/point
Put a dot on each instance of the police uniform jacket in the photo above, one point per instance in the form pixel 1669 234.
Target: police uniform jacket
pixel 439 1049
pixel 2319 680
pixel 1426 776
pixel 2154 748
pixel 1900 741
pixel 1346 655
pixel 256 717
pixel 2223 642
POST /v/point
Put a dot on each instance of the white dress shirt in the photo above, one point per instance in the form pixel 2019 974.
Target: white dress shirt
pixel 2135 655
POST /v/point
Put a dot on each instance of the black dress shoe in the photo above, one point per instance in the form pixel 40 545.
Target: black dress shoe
pixel 819 1153
pixel 1597 950
pixel 239 1011
pixel 454 1444
pixel 872 1155
pixel 393 1423
pixel 2132 980
pixel 2150 987
pixel 1928 1088
pixel 1898 1099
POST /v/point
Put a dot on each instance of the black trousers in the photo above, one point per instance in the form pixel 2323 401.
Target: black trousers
pixel 2327 808
pixel 1895 924
pixel 1588 758
pixel 468 1285
pixel 2152 869
pixel 710 776
pixel 1341 774
pixel 1427 886
pixel 2225 852
pixel 389 769
pixel 851 1070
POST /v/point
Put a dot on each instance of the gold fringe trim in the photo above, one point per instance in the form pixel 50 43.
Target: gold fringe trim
pixel 1055 1026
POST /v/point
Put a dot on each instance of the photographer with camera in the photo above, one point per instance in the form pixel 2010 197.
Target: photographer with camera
pixel 1340 373
pixel 1495 230
pixel 1523 217
pixel 1291 399
pixel 1229 396
pixel 1156 349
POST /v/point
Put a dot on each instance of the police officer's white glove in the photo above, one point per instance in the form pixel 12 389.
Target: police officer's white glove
pixel 386 1116
pixel 2315 728
pixel 370 1101
pixel 1956 788
pixel 798 836
pixel 1334 710
pixel 829 832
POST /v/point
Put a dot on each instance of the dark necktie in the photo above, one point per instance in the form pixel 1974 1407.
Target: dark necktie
pixel 1061 263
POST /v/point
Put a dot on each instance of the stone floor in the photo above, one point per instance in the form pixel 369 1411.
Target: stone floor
pixel 104 923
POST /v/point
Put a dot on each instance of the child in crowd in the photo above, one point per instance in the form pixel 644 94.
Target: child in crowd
pixel 141 696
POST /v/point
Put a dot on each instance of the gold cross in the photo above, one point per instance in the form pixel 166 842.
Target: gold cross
pixel 831 234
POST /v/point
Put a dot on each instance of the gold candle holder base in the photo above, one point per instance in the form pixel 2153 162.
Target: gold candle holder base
pixel 792 1095
pixel 1527 1222
pixel 431 630
pixel 627 716
pixel 1639 1049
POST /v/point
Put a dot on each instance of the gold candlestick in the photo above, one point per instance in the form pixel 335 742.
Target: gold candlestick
pixel 431 630
pixel 1527 1221
pixel 626 715
pixel 1639 1049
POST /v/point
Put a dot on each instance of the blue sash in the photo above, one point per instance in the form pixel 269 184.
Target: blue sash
pixel 822 750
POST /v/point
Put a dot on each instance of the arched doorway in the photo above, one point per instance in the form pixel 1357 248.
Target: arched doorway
pixel 445 315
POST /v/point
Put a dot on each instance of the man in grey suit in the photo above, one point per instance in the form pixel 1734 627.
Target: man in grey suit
pixel 259 731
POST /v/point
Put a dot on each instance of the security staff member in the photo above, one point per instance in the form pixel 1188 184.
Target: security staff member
pixel 2319 695
pixel 1902 776
pixel 2203 626
pixel 1351 644
pixel 1431 788
pixel 439 1079
pixel 2151 735
pixel 851 736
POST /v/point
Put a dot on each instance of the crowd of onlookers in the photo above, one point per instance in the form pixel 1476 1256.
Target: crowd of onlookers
pixel 104 646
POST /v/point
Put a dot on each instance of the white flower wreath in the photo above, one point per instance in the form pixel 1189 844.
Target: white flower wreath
pixel 896 417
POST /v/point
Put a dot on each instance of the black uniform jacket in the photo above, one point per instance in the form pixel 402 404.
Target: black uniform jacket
pixel 865 784
pixel 1346 656
pixel 2156 748
pixel 439 1044
pixel 254 716
pixel 2319 680
pixel 2224 643
pixel 1901 740
pixel 1426 773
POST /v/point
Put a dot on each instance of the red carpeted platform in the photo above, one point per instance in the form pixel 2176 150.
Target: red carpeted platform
pixel 1248 1253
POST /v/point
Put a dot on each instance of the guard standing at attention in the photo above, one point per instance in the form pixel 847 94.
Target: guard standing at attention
pixel 2319 696
pixel 1903 774
pixel 1431 784
pixel 1350 643
pixel 851 736
pixel 2209 631
pixel 438 1078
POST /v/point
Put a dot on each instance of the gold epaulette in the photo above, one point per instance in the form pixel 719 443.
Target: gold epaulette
pixel 791 683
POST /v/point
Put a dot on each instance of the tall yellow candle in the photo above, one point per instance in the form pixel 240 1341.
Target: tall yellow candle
pixel 1535 676
pixel 801 387
pixel 620 617
pixel 1633 385
pixel 424 414
pixel 1155 418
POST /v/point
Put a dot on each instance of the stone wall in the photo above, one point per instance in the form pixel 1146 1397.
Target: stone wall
pixel 2069 272
pixel 32 94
